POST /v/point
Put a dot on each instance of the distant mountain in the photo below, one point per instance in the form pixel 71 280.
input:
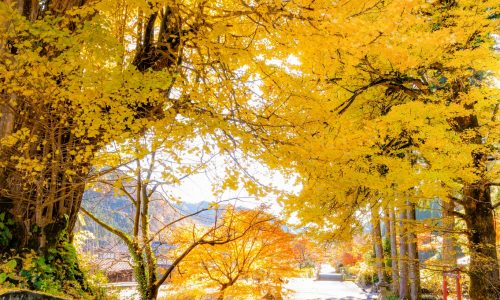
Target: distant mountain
pixel 205 217
pixel 117 211
pixel 114 210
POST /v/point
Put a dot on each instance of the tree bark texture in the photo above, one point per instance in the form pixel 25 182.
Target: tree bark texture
pixel 394 252
pixel 45 206
pixel 414 266
pixel 449 242
pixel 377 243
pixel 403 256
pixel 483 268
pixel 387 242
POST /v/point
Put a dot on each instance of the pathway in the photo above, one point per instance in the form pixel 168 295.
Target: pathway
pixel 328 286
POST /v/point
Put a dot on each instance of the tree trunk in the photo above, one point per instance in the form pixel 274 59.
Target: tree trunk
pixel 449 242
pixel 222 291
pixel 145 290
pixel 476 200
pixel 41 223
pixel 449 258
pixel 43 198
pixel 387 242
pixel 153 293
pixel 146 236
pixel 377 243
pixel 483 268
pixel 6 119
pixel 44 203
pixel 394 253
pixel 403 256
pixel 414 266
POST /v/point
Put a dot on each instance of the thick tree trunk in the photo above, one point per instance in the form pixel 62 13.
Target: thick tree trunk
pixel 45 211
pixel 44 203
pixel 449 242
pixel 483 268
pixel 403 256
pixel 377 244
pixel 414 266
pixel 476 200
pixel 394 253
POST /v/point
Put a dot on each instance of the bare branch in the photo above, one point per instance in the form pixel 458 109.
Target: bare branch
pixel 202 241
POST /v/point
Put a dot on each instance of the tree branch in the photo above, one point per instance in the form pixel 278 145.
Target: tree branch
pixel 457 200
pixel 458 214
pixel 202 241
pixel 108 227
pixel 345 105
pixel 175 221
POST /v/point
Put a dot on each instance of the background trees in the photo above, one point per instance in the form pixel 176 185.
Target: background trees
pixel 254 265
pixel 151 214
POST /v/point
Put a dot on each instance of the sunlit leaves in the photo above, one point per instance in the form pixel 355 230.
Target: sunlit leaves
pixel 256 263
pixel 401 102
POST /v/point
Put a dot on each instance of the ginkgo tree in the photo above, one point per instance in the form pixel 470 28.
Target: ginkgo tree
pixel 78 75
pixel 402 106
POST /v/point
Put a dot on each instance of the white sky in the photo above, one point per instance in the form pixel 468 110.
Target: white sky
pixel 197 188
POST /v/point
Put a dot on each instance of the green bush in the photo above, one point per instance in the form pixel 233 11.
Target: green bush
pixel 5 233
pixel 55 273
pixel 54 270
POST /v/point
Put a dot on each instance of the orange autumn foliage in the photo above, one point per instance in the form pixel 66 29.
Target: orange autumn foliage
pixel 250 267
